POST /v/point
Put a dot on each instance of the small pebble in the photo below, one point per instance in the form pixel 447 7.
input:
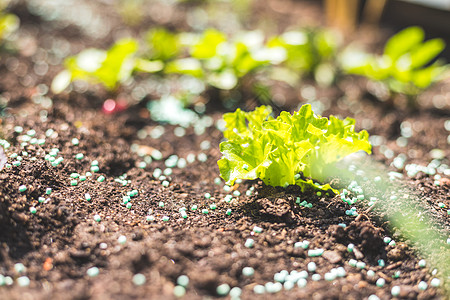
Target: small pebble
pixel 19 268
pixel 249 243
pixel 380 282
pixel 422 263
pixel 22 188
pixel 435 282
pixel 223 289
pixel 97 218
pixel 360 265
pixel 122 239
pixel 301 282
pixel 315 252
pixel 183 280
pixel 316 277
pixel 139 279
pixel 422 285
pixel 312 267
pixel 257 229
pixel 248 271
pixel 259 289
pixel 288 285
pixel 179 291
pixel 9 280
pixel 395 291
pixel 235 293
pixel 350 247
pixel 93 272
pixel 330 276
pixel 23 281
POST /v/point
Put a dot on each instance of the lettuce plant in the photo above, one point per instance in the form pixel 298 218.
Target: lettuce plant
pixel 405 66
pixel 96 66
pixel 163 45
pixel 223 62
pixel 310 53
pixel 298 149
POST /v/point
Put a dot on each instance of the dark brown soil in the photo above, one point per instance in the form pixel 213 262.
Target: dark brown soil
pixel 61 241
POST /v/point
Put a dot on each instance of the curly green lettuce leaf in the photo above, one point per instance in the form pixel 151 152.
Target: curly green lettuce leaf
pixel 299 149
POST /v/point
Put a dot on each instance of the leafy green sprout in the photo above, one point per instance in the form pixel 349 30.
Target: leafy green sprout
pixel 8 24
pixel 298 149
pixel 162 44
pixel 222 62
pixel 110 68
pixel 311 53
pixel 96 66
pixel 406 65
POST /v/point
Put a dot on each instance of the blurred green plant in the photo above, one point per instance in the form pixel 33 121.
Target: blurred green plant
pixel 9 23
pixel 226 64
pixel 311 53
pixel 406 65
pixel 163 45
pixel 108 68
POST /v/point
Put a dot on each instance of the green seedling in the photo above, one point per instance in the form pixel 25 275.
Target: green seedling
pixel 8 24
pixel 108 68
pixel 163 45
pixel 406 65
pixel 310 54
pixel 296 149
pixel 224 63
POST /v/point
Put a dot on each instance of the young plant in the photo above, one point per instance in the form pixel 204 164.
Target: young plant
pixel 163 45
pixel 405 66
pixel 226 63
pixel 310 53
pixel 298 149
pixel 108 68
pixel 8 24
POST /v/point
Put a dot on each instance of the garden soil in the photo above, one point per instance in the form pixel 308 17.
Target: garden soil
pixel 69 235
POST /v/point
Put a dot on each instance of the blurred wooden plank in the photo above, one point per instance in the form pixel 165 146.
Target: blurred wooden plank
pixel 342 14
pixel 373 10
